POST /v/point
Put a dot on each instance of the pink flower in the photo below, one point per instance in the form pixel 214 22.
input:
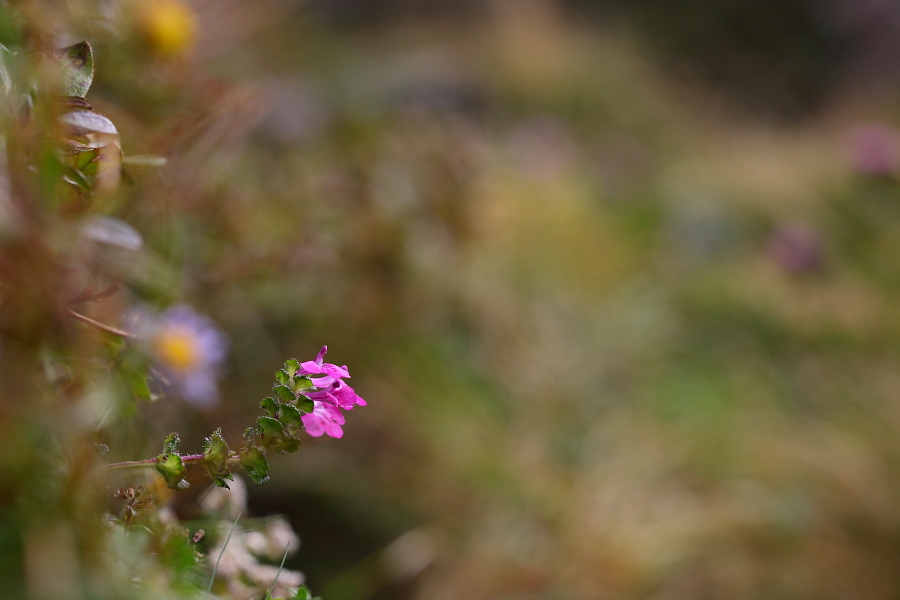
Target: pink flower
pixel 340 394
pixel 317 367
pixel 325 418
pixel 329 394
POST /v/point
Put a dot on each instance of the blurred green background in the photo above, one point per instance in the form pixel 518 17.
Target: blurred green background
pixel 619 280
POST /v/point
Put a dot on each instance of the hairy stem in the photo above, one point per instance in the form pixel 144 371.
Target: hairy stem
pixel 149 463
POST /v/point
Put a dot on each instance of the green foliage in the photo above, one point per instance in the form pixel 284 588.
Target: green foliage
pixel 303 593
pixel 256 465
pixel 284 392
pixel 291 366
pixel 270 405
pixel 172 469
pixel 215 459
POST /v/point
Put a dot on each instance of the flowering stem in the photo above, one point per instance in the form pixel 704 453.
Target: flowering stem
pixel 119 332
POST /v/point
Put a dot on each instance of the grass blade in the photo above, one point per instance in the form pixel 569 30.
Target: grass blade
pixel 278 574
pixel 221 552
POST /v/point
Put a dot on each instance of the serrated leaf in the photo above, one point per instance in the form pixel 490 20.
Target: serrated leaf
pixel 76 68
pixel 302 383
pixel 283 378
pixel 270 405
pixel 290 418
pixel 170 444
pixel 291 366
pixel 171 467
pixel 288 444
pixel 215 459
pixel 271 431
pixel 256 465
pixel 305 405
pixel 284 392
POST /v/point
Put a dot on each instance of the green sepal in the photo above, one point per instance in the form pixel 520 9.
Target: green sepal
pixel 172 469
pixel 305 404
pixel 215 459
pixel 76 65
pixel 290 418
pixel 284 392
pixel 291 366
pixel 170 444
pixel 270 405
pixel 283 378
pixel 256 465
pixel 302 383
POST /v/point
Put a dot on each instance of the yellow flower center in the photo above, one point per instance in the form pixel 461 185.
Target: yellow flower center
pixel 169 26
pixel 178 349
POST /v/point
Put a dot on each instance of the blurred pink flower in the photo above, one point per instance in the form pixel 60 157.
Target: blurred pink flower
pixel 795 247
pixel 874 150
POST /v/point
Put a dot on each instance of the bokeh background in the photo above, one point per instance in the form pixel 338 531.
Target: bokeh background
pixel 618 278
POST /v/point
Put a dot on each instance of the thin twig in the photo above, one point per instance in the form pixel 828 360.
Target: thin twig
pixel 87 296
pixel 278 574
pixel 119 332
pixel 225 545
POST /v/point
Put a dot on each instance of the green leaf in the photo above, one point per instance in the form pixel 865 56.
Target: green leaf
pixel 256 465
pixel 270 405
pixel 290 418
pixel 302 383
pixel 76 66
pixel 285 392
pixel 171 443
pixel 215 459
pixel 288 444
pixel 271 431
pixel 172 470
pixel 274 437
pixel 292 366
pixel 283 378
pixel 305 405
pixel 139 385
pixel 303 593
